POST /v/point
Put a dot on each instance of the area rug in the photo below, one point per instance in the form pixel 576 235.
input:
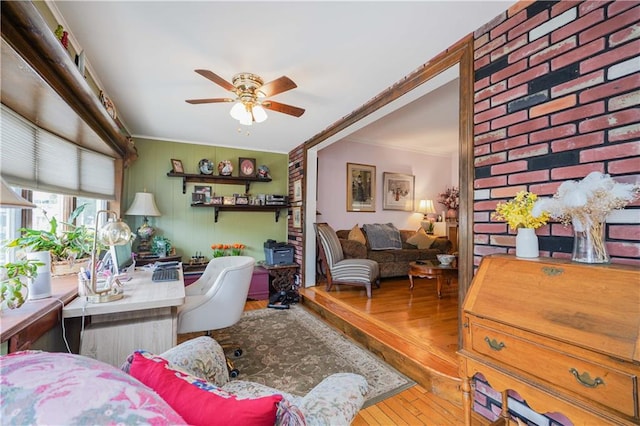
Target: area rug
pixel 293 350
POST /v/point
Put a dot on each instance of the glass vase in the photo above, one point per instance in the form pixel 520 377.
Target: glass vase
pixel 527 243
pixel 589 245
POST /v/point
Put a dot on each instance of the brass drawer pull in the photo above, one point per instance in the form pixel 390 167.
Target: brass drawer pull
pixel 585 379
pixel 493 344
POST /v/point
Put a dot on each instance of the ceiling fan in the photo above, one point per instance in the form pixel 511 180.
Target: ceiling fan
pixel 250 91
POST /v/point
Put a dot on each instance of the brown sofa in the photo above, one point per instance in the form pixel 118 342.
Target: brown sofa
pixel 392 262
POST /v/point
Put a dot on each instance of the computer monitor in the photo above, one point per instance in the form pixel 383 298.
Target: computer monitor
pixel 121 258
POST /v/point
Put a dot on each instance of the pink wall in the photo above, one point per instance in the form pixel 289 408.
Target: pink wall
pixel 432 175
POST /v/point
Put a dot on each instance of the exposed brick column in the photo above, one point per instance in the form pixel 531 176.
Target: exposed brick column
pixel 557 94
pixel 295 235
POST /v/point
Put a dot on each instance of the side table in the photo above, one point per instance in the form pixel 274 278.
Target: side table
pixel 282 277
pixel 433 269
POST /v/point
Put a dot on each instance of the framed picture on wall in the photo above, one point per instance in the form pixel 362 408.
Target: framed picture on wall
pixel 246 167
pixel 296 213
pixel 297 190
pixel 398 191
pixel 361 188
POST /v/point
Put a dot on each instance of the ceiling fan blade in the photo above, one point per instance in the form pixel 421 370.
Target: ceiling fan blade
pixel 209 100
pixel 217 79
pixel 286 109
pixel 277 86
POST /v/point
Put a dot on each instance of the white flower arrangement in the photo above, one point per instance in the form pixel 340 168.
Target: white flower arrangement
pixel 586 203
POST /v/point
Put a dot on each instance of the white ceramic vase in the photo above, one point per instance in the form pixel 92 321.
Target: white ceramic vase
pixel 527 243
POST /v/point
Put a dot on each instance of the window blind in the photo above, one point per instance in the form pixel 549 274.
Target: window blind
pixel 36 159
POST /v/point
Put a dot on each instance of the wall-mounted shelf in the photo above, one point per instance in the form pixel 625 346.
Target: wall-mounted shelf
pixel 229 180
pixel 217 208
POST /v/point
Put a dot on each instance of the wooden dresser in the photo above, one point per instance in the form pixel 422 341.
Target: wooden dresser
pixel 563 335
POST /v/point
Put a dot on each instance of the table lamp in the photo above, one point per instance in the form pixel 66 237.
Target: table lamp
pixel 113 233
pixel 144 205
pixel 426 208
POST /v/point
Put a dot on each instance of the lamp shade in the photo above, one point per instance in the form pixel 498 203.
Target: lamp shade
pixel 143 205
pixel 8 198
pixel 426 207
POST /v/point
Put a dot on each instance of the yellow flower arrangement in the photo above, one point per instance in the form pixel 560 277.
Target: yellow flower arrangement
pixel 517 212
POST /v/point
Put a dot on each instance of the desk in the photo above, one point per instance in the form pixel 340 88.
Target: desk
pixel 145 318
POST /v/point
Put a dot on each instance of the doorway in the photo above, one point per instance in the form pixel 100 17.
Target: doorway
pixel 408 89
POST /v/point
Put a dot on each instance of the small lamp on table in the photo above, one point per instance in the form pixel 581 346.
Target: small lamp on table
pixel 144 205
pixel 428 210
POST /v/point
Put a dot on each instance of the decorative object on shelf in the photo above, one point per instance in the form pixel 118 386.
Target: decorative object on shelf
pixel 161 246
pixel 225 168
pixel 361 188
pixel 201 194
pixel 205 166
pixel 176 166
pixel 144 205
pixel 518 215
pixel 216 201
pixel 80 62
pixel 450 198
pixel 398 191
pixel 62 35
pixel 246 167
pixel 108 105
pixel 586 204
pixel 242 200
pixel 229 201
pixel 264 172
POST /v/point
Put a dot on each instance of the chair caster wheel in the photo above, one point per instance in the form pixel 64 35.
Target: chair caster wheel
pixel 237 353
pixel 234 373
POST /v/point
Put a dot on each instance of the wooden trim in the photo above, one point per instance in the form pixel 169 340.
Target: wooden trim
pixel 26 31
pixel 460 53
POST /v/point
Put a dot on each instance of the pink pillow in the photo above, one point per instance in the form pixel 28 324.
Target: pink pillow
pixel 198 401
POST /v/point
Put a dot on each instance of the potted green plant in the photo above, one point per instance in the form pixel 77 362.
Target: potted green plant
pixel 67 244
pixel 161 246
pixel 13 288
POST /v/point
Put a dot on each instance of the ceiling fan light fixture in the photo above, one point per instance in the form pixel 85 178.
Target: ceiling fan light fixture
pixel 238 111
pixel 259 114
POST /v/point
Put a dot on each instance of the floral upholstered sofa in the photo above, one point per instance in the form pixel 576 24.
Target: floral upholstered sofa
pixel 393 256
pixel 189 384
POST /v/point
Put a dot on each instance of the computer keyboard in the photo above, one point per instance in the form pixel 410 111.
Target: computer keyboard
pixel 165 275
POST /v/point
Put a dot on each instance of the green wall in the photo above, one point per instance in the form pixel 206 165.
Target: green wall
pixel 193 229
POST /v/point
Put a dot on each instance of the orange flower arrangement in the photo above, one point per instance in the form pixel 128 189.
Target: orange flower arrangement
pixel 220 250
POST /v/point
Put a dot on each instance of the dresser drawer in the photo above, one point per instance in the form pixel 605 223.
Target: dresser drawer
pixel 601 384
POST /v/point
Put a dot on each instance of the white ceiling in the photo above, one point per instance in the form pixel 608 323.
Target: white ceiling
pixel 340 54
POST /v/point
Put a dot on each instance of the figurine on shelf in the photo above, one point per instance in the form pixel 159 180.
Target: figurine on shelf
pixel 225 168
pixel 263 172
pixel 62 35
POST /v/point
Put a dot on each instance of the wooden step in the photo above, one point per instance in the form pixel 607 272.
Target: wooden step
pixel 428 365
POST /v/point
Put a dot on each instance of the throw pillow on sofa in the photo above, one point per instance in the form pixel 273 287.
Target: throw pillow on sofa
pixel 356 235
pixel 383 236
pixel 421 239
pixel 198 401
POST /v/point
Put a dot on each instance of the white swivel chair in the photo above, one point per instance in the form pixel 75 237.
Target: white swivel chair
pixel 216 300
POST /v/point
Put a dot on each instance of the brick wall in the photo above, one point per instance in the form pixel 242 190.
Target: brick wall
pixel 556 97
pixel 296 171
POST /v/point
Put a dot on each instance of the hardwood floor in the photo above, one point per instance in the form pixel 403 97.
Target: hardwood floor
pixel 413 330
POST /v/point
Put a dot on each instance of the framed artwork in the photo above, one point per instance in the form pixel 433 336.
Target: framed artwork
pixel 296 213
pixel 361 188
pixel 201 189
pixel 242 200
pixel 216 201
pixel 297 190
pixel 198 198
pixel 176 166
pixel 229 201
pixel 398 191
pixel 246 167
